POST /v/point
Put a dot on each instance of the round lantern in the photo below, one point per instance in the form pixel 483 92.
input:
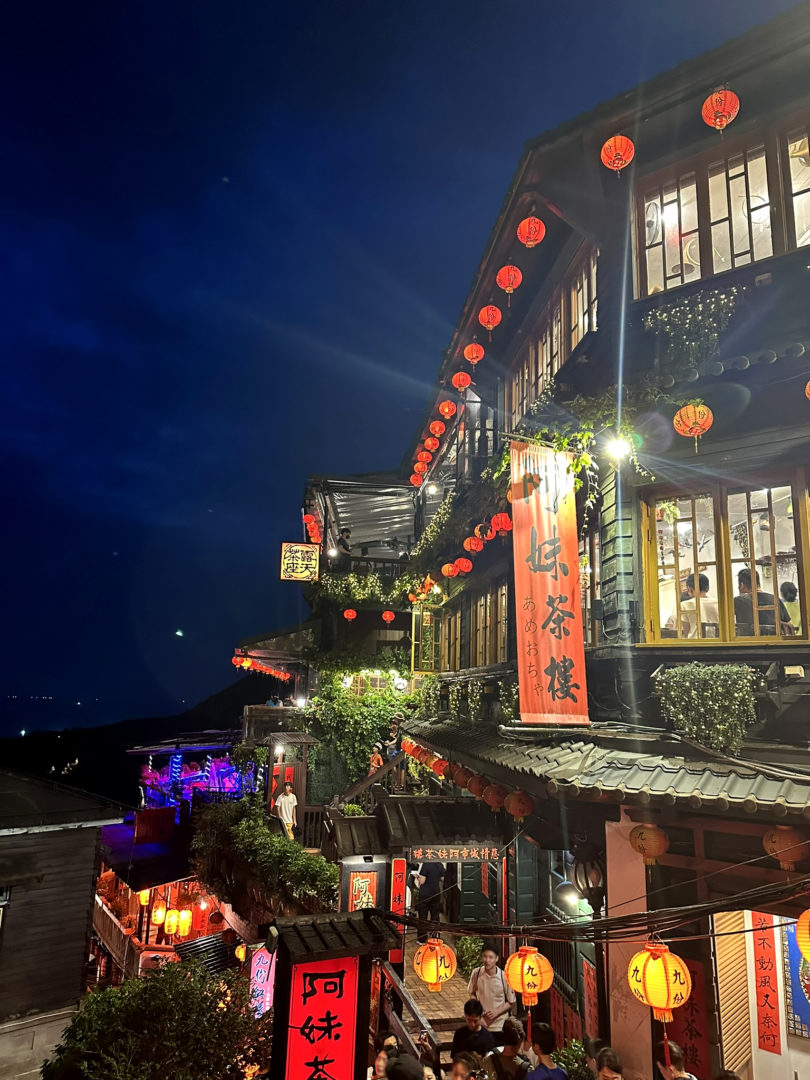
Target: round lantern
pixel 447 409
pixel 803 934
pixel 509 278
pixel 477 785
pixel 807 390
pixel 528 973
pixel 720 108
pixel 171 922
pixel 425 456
pixel 693 420
pixel 531 231
pixel 184 922
pixel 236 660
pixel 489 317
pixel 618 152
pixel 463 566
pixel 447 771
pixel 785 844
pixel 659 979
pixel 449 570
pixel 502 523
pixel 432 443
pixel 349 614
pixel 434 963
pixel 143 897
pixel 474 353
pixel 240 952
pixel 473 544
pixel 420 467
pixel 462 776
pixel 158 913
pixel 461 380
pixel 437 428
pixel 484 532
pixel 246 663
pixel 494 796
pixel 309 519
pixel 650 842
pixel 216 917
pixel 416 479
pixel 388 616
pixel 518 805
pixel 439 765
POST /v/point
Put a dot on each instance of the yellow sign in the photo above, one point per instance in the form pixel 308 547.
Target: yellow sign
pixel 299 562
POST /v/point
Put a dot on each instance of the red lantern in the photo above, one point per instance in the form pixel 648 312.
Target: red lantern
pixel 420 467
pixel 473 544
pixel 388 616
pixel 424 455
pixel 529 973
pixel 484 532
pixel 720 108
pixel 474 353
pixel 461 380
pixel 309 519
pixel 509 278
pixel 693 420
pixel 531 231
pixel 618 152
pixel 518 805
pixel 447 771
pixel 807 390
pixel 416 479
pixel 463 566
pixel 439 765
pixel 462 776
pixel 449 570
pixel 236 660
pixel 432 443
pixel 349 614
pixel 494 796
pixel 437 428
pixel 477 785
pixel 502 523
pixel 489 317
pixel 447 409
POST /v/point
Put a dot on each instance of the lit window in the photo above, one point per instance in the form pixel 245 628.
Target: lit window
pixel 672 246
pixel 740 210
pixel 799 164
pixel 763 554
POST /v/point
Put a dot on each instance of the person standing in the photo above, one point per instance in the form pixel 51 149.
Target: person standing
pixel 473 1037
pixel 428 877
pixel 488 984
pixel 287 810
pixel 675 1070
pixel 375 760
pixel 608 1064
pixel 543 1043
pixel 507 1063
pixel 343 563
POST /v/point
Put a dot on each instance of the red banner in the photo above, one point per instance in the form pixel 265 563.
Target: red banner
pixel 362 890
pixel 689 1028
pixel 551 644
pixel 591 996
pixel 398 885
pixel 323 1019
pixel 556 1006
pixel 573 1025
pixel 769 1010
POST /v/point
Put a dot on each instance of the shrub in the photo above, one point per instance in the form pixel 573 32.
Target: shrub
pixel 710 703
pixel 468 954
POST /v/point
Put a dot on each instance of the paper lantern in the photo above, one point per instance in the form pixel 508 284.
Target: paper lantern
pixel 462 776
pixel 489 317
pixel 785 844
pixel 434 963
pixel 236 660
pixel 449 570
pixel 807 390
pixel 349 614
pixel 484 532
pixel 416 479
pixel 158 913
pixel 246 663
pixel 432 443
pixel 502 523
pixel 618 152
pixel 447 771
pixel 650 842
pixel 171 922
pixel 494 796
pixel 143 897
pixel 240 952
pixel 439 765
pixel 309 519
pixel 461 380
pixel 509 278
pixel 437 428
pixel 420 467
pixel 474 353
pixel 424 455
pixel 803 934
pixel 518 805
pixel 531 231
pixel 693 420
pixel 528 973
pixel 463 566
pixel 477 785
pixel 720 108
pixel 447 409
pixel 184 922
pixel 473 544
pixel 388 616
pixel 659 979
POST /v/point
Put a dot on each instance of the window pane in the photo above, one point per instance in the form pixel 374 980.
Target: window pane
pixel 739 215
pixel 718 197
pixel 655 270
pixel 799 161
pixel 689 217
pixel 721 249
pixel 763 558
pixel 687 572
pixel 801 214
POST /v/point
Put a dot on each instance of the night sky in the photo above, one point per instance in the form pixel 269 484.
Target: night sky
pixel 236 238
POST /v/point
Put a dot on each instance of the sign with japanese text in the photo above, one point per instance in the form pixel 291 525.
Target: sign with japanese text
pixel 470 852
pixel 689 1028
pixel 262 978
pixel 399 870
pixel 322 1021
pixel 766 981
pixel 797 984
pixel 362 890
pixel 591 998
pixel 300 562
pixel 551 645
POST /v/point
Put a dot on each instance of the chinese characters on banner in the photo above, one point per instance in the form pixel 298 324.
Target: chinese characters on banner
pixel 551 646
pixel 398 885
pixel 323 1015
pixel 262 977
pixel 299 562
pixel 769 1020
pixel 362 890
pixel 471 852
pixel 688 1028
pixel 591 995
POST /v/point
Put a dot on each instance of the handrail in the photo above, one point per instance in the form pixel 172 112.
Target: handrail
pixel 428 1045
pixel 366 782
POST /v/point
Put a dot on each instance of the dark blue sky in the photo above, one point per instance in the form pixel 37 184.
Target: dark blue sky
pixel 235 241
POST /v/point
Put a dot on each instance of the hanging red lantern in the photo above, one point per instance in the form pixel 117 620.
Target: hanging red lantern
pixel 489 317
pixel 509 278
pixel 447 409
pixel 437 428
pixel 434 963
pixel 439 765
pixel 309 519
pixel 659 979
pixel 449 570
pixel 618 152
pixel 518 805
pixel 484 531
pixel 416 479
pixel 349 614
pixel 807 390
pixel 236 660
pixel 720 108
pixel 388 616
pixel 785 844
pixel 462 776
pixel 461 380
pixel 473 544
pixel 425 456
pixel 502 523
pixel 529 973
pixel 494 796
pixel 420 468
pixel 432 443
pixel 693 420
pixel 447 771
pixel 463 566
pixel 474 353
pixel 531 231
pixel 477 785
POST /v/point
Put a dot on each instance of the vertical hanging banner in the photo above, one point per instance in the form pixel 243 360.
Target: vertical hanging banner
pixel 399 870
pixel 690 1029
pixel 262 980
pixel 550 638
pixel 591 996
pixel 769 1009
pixel 323 1018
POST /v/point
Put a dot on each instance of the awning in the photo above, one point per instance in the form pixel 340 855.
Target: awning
pixel 377 507
pixel 213 952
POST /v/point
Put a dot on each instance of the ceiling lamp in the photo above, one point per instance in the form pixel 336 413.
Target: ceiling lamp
pixel 474 353
pixel 447 409
pixel 416 479
pixel 420 467
pixel 461 380
pixel 432 443
pixel 473 545
pixel 388 616
pixel 529 973
pixel 531 231
pixel 424 456
pixel 618 152
pixel 437 428
pixel 509 278
pixel 720 108
pixel 449 570
pixel 349 614
pixel 434 963
pixel 693 420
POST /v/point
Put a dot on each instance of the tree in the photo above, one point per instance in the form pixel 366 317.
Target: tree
pixel 179 1022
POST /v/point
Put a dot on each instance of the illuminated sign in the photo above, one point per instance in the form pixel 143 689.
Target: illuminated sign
pixel 397 900
pixel 470 852
pixel 362 890
pixel 300 562
pixel 322 1020
pixel 262 976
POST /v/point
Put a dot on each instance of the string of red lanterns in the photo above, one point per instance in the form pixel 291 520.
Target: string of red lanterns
pixel 461 380
pixel 474 353
pixel 247 663
pixel 509 278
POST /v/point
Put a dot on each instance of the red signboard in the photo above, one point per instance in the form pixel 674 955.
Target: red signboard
pixel 556 1006
pixel 573 1024
pixel 591 995
pixel 323 1018
pixel 551 646
pixel 689 1028
pixel 769 1012
pixel 281 774
pixel 399 870
pixel 262 977
pixel 362 890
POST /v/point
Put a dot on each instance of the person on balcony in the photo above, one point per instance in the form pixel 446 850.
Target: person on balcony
pixel 343 562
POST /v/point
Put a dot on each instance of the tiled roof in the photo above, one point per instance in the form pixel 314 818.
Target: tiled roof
pixel 213 952
pixel 616 766
pixel 340 934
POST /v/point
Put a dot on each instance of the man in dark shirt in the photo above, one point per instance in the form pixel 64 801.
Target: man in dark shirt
pixel 766 608
pixel 473 1036
pixel 429 879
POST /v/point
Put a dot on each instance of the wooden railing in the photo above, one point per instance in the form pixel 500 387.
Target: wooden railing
pixel 389 777
pixel 397 1006
pixel 119 945
pixel 312 827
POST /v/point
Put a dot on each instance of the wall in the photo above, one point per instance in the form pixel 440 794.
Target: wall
pixel 25 1044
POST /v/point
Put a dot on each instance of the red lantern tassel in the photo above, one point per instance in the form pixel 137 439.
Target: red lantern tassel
pixel 667 1061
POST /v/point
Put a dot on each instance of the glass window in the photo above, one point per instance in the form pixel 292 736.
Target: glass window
pixel 762 542
pixel 671 234
pixel 687 568
pixel 502 631
pixel 799 165
pixel 740 210
pixel 589 584
pixel 583 299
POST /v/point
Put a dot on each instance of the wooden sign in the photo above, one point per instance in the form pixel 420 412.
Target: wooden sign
pixel 591 995
pixel 362 890
pixel 766 980
pixel 399 870
pixel 300 562
pixel 470 852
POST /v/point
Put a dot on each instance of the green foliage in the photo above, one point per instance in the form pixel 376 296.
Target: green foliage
pixel 429 697
pixel 574 1060
pixel 691 325
pixel 454 698
pixel 180 1022
pixel 468 954
pixel 710 703
pixel 238 831
pixel 360 589
pixel 475 694
pixel 509 696
pixel 351 809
